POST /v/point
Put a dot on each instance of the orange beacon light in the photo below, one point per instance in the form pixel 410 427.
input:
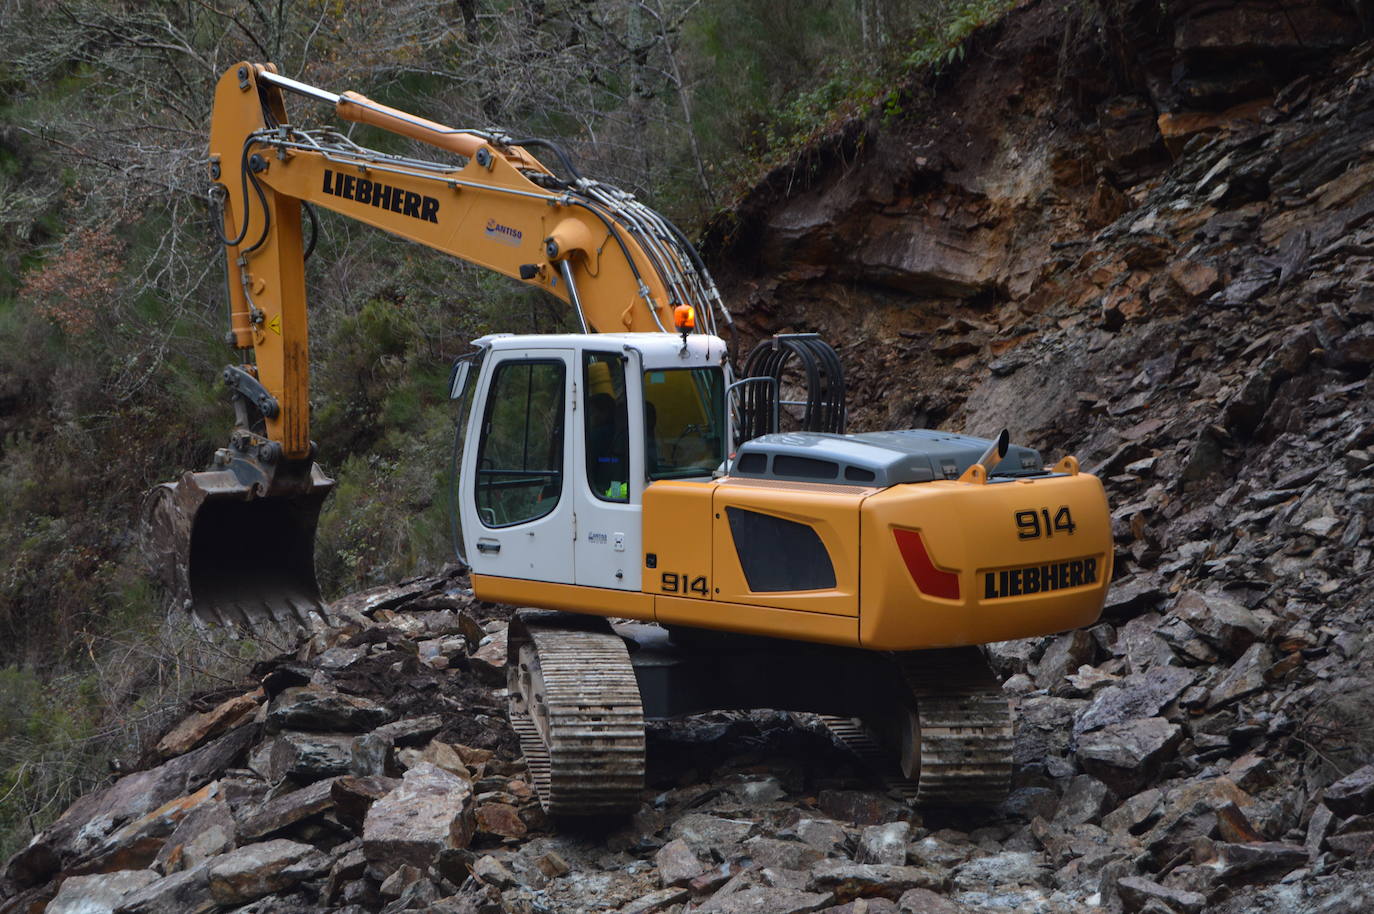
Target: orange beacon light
pixel 685 320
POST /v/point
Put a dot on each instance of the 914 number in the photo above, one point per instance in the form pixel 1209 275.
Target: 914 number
pixel 1029 524
pixel 681 583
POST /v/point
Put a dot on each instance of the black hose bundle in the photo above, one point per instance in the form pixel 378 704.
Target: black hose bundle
pixel 823 408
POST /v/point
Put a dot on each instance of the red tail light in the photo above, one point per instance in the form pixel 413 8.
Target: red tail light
pixel 930 580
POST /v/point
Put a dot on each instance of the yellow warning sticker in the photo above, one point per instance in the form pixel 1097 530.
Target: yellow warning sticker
pixel 275 325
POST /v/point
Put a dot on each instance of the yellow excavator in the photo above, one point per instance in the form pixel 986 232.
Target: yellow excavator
pixel 675 551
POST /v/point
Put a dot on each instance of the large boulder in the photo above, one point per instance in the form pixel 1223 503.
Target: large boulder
pixel 765 898
pixel 1186 813
pixel 186 892
pixel 1138 696
pixel 1245 677
pixel 430 812
pixel 98 894
pixel 866 880
pixel 677 864
pixel 1136 892
pixel 309 708
pixel 287 810
pixel 196 729
pixel 1221 621
pixel 884 844
pixel 1352 795
pixel 206 831
pixel 306 757
pixel 709 835
pixel 1128 756
pixel 136 844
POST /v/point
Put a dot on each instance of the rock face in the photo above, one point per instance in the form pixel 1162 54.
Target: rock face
pixel 1165 267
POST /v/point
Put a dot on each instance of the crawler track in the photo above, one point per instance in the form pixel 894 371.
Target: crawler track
pixel 575 706
pixel 964 737
pixel 851 733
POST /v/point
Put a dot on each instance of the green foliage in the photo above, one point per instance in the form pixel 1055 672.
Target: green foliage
pixel 35 720
pixel 939 40
pixel 777 76
pixel 62 724
pixel 388 516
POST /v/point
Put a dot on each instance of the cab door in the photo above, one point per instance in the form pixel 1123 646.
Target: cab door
pixel 609 471
pixel 517 504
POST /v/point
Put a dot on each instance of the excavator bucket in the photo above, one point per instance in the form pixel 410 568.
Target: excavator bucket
pixel 233 554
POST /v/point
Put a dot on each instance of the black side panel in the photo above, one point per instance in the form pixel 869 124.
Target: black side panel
pixel 779 554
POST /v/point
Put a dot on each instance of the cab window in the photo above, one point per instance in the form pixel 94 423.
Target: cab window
pixel 684 422
pixel 607 422
pixel 520 458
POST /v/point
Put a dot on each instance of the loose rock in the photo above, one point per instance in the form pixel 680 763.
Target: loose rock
pixel 430 812
pixel 677 864
pixel 1128 756
pixel 255 870
pixel 98 894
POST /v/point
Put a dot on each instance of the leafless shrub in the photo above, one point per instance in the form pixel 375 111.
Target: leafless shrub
pixel 74 731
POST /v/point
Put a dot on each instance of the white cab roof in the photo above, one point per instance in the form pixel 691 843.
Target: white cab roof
pixel 658 350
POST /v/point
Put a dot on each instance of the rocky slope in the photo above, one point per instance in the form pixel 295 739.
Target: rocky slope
pixel 1145 239
pixel 373 771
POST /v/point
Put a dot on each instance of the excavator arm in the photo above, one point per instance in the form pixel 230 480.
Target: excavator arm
pixel 235 542
pixel 617 263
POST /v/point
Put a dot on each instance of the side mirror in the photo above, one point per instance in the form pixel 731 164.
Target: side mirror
pixel 458 379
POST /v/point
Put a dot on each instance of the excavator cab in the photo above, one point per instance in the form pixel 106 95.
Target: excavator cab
pixel 564 434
